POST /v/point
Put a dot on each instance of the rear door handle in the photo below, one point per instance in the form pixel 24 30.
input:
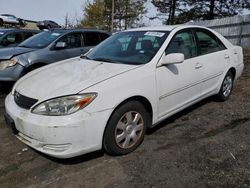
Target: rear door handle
pixel 198 65
pixel 226 56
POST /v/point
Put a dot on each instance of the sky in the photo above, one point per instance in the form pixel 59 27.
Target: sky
pixel 56 10
pixel 37 10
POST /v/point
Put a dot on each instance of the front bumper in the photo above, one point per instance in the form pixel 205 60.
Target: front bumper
pixel 59 136
pixel 12 73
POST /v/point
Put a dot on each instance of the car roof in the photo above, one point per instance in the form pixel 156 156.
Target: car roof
pixel 76 30
pixel 166 28
pixel 7 15
pixel 16 30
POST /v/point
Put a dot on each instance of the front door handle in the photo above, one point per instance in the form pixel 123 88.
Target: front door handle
pixel 198 65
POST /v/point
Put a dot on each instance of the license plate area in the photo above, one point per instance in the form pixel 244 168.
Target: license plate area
pixel 10 123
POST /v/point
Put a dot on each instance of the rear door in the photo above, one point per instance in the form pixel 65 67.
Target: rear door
pixel 213 58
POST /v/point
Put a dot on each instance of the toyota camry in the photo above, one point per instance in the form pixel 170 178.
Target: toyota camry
pixel 107 98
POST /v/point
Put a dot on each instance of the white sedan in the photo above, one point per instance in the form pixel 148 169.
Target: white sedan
pixel 130 82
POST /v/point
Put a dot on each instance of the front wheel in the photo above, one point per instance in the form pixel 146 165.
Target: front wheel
pixel 226 87
pixel 126 128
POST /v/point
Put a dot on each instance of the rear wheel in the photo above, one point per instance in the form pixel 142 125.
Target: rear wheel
pixel 226 87
pixel 126 128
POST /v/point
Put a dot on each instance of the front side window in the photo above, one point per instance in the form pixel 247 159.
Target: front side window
pixel 73 40
pixel 208 42
pixel 183 42
pixel 131 47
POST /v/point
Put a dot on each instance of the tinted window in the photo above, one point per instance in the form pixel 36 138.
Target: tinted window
pixel 208 42
pixel 14 38
pixel 104 36
pixel 183 42
pixel 73 40
pixel 91 39
pixel 27 35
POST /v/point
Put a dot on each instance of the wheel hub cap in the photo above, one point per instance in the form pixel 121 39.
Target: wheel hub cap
pixel 227 86
pixel 129 129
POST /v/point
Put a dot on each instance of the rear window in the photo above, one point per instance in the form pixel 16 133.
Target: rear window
pixel 91 38
pixel 208 42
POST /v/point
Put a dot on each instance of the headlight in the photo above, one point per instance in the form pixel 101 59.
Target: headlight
pixel 64 105
pixel 7 63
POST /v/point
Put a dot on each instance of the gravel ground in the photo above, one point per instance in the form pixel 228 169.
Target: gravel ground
pixel 207 145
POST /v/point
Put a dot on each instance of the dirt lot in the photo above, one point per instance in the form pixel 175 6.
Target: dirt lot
pixel 207 145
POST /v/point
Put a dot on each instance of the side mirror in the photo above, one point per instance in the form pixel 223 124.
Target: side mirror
pixel 173 58
pixel 60 45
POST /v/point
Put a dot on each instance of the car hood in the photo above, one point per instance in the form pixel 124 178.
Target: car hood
pixel 8 53
pixel 67 77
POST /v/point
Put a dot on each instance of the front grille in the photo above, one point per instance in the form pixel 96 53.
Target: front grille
pixel 23 101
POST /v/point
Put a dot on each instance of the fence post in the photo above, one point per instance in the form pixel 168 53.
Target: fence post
pixel 241 29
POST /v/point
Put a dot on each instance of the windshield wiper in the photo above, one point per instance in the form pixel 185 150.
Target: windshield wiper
pixel 105 60
pixel 83 56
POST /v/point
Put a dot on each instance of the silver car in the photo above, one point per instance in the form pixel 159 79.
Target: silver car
pixel 45 48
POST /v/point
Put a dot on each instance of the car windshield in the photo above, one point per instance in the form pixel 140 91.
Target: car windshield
pixel 41 40
pixel 131 47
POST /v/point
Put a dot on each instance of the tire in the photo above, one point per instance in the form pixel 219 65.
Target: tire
pixel 21 22
pixel 226 87
pixel 1 22
pixel 126 128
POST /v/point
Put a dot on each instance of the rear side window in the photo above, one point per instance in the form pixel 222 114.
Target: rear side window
pixel 27 35
pixel 183 42
pixel 91 38
pixel 103 36
pixel 208 42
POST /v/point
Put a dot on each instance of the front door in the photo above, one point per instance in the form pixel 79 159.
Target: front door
pixel 179 84
pixel 73 48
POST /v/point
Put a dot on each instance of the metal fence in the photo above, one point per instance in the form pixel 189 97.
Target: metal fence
pixel 236 29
